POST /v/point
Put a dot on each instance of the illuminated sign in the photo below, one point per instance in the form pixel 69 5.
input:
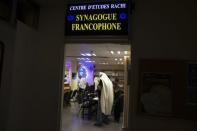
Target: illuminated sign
pixel 110 18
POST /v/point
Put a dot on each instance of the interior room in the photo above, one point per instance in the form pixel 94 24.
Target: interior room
pixel 84 65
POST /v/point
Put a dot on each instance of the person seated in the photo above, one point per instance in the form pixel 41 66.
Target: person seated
pixel 82 83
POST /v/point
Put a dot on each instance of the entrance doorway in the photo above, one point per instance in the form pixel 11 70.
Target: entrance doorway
pixel 84 62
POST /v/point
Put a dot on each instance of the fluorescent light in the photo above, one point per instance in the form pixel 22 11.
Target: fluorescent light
pixel 83 54
pixel 104 63
pixel 118 52
pixel 112 52
pixel 88 54
pixel 125 52
pixel 90 61
pixel 116 59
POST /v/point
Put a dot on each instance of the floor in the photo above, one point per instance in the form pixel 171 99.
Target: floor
pixel 71 121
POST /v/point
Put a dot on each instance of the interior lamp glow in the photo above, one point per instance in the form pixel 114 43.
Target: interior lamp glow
pixel 125 52
pixel 68 66
pixel 112 52
pixel 118 52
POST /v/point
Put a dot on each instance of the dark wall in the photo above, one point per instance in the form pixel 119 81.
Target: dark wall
pixel 164 29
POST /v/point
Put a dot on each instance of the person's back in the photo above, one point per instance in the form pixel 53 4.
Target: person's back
pixel 118 104
pixel 82 83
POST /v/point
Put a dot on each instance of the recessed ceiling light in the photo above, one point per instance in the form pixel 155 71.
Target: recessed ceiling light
pixel 118 52
pixel 116 59
pixel 112 52
pixel 120 59
pixel 88 54
pixel 83 54
pixel 125 52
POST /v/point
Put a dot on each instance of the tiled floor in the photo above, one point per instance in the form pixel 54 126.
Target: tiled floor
pixel 71 121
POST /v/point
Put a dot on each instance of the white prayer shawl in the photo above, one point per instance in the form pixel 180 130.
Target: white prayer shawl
pixel 96 82
pixel 107 95
pixel 82 83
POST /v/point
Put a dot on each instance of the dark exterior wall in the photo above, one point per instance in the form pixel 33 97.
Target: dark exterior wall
pixel 7 37
pixel 164 29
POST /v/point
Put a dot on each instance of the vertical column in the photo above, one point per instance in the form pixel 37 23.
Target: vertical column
pixel 74 71
pixel 126 94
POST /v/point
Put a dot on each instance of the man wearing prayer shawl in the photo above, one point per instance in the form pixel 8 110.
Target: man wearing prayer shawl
pixel 105 99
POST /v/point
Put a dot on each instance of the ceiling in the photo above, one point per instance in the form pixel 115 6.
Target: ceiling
pixel 102 51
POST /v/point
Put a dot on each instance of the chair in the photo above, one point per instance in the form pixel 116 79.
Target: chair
pixel 67 96
pixel 87 104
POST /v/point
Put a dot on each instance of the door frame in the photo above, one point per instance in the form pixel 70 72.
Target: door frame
pixel 103 40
